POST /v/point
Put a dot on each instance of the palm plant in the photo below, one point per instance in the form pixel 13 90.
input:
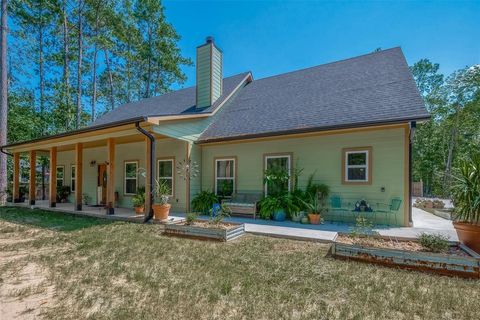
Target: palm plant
pixel 466 191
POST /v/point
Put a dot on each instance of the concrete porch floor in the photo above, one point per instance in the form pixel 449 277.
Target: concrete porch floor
pixel 327 232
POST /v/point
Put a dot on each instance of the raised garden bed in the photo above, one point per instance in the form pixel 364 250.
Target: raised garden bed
pixel 458 261
pixel 206 230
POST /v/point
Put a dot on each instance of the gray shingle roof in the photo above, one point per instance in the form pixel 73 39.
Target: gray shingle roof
pixel 370 89
pixel 180 102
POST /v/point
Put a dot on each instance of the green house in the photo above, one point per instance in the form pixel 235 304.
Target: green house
pixel 349 122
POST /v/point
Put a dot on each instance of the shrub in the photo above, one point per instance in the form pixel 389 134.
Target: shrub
pixel 204 201
pixel 190 218
pixel 62 193
pixel 466 191
pixel 434 242
pixel 138 200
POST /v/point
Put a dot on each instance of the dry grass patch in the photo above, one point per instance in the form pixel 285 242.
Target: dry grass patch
pixel 126 271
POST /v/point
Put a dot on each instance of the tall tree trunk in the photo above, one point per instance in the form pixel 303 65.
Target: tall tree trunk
pixel 149 69
pixel 40 68
pixel 129 73
pixel 3 100
pixel 79 71
pixel 42 86
pixel 94 76
pixel 66 71
pixel 451 148
pixel 158 78
pixel 110 79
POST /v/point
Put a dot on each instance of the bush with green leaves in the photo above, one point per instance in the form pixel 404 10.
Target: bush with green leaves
pixel 204 201
pixel 138 200
pixel 466 190
pixel 62 193
pixel 190 218
pixel 162 192
pixel 434 242
pixel 270 204
pixel 221 214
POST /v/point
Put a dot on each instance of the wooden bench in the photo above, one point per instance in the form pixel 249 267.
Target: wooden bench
pixel 243 203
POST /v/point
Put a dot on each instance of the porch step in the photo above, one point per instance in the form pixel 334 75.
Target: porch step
pixel 291 233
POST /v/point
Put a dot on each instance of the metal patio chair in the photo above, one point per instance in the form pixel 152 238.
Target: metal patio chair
pixel 336 207
pixel 391 209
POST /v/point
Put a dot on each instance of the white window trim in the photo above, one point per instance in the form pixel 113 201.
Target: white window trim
pixel 56 175
pixel 172 161
pixel 225 178
pixel 73 178
pixel 125 177
pixel 365 166
pixel 289 169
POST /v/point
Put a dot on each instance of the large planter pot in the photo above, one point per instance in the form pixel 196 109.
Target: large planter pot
pixel 468 234
pixel 139 210
pixel 279 215
pixel 161 211
pixel 314 218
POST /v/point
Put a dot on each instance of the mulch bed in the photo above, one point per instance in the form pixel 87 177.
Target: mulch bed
pixel 378 242
pixel 209 225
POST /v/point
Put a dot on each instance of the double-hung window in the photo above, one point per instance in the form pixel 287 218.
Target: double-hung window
pixel 225 177
pixel 60 174
pixel 357 165
pixel 131 177
pixel 279 168
pixel 73 177
pixel 165 172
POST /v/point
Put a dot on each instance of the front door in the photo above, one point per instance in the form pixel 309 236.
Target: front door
pixel 102 182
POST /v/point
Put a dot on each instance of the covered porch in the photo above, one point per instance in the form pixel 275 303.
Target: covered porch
pixel 99 169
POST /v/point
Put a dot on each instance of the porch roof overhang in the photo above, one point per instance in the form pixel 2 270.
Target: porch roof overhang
pixel 123 130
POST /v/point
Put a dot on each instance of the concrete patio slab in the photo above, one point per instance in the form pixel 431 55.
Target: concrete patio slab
pixel 327 232
pixel 291 233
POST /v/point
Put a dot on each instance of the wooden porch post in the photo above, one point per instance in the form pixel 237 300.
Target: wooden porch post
pixel 16 177
pixel 33 178
pixel 148 173
pixel 53 177
pixel 187 182
pixel 78 175
pixel 111 173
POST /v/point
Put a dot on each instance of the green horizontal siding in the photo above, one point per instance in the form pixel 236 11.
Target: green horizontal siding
pixel 321 155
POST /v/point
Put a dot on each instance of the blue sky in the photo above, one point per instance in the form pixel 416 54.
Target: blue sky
pixel 271 37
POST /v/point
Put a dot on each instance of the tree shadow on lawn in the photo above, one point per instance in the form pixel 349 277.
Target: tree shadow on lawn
pixel 57 221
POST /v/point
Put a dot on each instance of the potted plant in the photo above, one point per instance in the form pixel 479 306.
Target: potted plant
pixel 268 206
pixel 138 200
pixel 161 208
pixel 204 201
pixel 277 207
pixel 315 203
pixel 466 200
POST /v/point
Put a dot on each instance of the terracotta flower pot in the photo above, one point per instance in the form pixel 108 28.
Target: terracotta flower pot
pixel 468 234
pixel 314 218
pixel 139 210
pixel 161 211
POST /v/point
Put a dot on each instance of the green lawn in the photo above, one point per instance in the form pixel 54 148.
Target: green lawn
pixel 130 271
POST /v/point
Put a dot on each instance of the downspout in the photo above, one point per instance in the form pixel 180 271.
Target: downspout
pixel 149 214
pixel 413 126
pixel 5 152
